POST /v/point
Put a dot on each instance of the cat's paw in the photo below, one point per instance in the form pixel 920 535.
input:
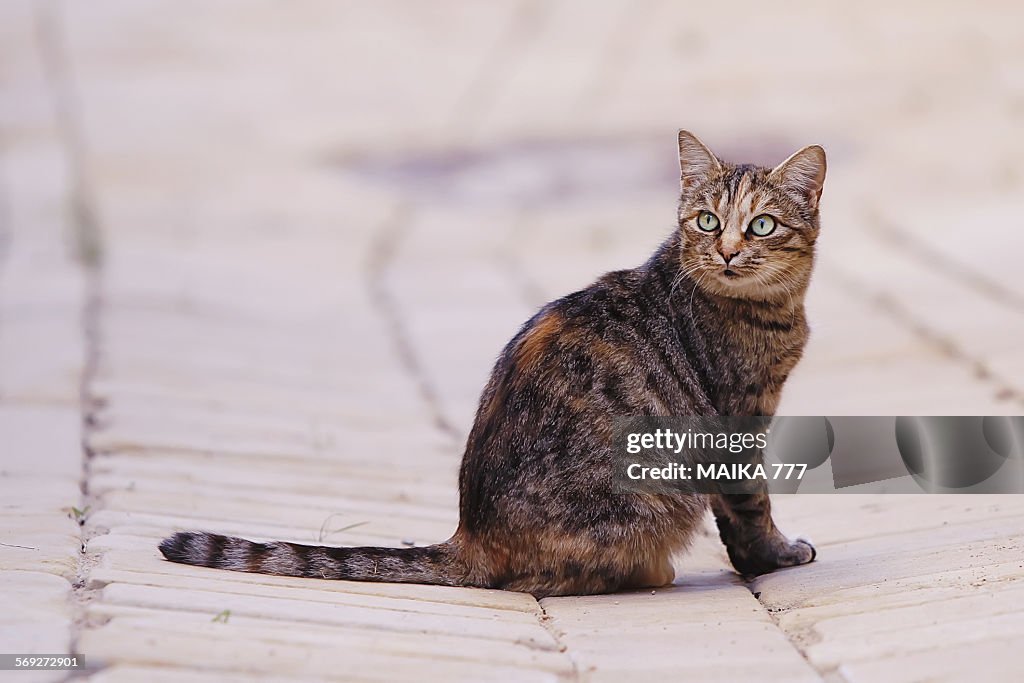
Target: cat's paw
pixel 778 553
pixel 802 551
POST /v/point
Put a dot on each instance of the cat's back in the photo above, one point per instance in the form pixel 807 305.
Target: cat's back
pixel 606 323
pixel 612 348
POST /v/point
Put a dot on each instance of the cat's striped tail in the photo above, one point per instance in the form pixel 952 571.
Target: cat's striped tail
pixel 435 564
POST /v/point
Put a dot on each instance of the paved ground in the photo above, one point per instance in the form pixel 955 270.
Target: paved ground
pixel 258 258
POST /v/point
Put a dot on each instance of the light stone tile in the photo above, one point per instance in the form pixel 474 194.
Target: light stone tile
pixel 41 441
pixel 926 553
pixel 995 658
pixel 494 626
pixel 36 615
pixel 879 641
pixel 523 613
pixel 838 519
pixel 51 372
pixel 412 495
pixel 127 673
pixel 335 528
pixel 252 510
pixel 27 548
pixel 374 506
pixel 42 352
pixel 431 473
pixel 719 631
pixel 944 597
pixel 147 637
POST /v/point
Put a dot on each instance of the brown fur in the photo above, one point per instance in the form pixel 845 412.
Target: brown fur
pixel 711 325
pixel 535 342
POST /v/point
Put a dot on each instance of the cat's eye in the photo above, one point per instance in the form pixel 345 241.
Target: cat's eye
pixel 707 221
pixel 763 225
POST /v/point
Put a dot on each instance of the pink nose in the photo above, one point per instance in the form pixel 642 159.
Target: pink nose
pixel 728 253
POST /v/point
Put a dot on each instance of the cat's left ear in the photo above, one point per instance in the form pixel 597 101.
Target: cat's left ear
pixel 803 173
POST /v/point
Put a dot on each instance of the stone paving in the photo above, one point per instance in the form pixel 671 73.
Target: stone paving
pixel 257 258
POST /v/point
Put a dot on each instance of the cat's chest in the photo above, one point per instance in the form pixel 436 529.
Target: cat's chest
pixel 753 371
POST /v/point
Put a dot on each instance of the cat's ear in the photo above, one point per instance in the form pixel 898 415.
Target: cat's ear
pixel 803 173
pixel 695 160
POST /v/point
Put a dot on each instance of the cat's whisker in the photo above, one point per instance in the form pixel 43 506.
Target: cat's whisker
pixel 684 273
pixel 696 284
pixel 789 284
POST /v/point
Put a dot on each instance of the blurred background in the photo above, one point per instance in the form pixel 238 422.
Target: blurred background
pixel 414 179
pixel 260 256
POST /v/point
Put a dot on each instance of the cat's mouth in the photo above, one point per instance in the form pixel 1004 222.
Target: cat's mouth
pixel 742 283
pixel 735 280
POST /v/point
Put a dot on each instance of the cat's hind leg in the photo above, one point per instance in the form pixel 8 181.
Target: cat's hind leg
pixel 655 575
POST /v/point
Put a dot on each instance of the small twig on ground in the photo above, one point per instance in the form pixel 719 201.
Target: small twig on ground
pixel 323 527
pixel 15 545
pixel 222 617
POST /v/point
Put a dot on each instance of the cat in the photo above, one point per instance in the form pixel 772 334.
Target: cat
pixel 712 324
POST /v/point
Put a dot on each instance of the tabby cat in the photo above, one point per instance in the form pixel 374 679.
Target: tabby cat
pixel 712 324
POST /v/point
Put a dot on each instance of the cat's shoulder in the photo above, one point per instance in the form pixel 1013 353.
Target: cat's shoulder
pixel 584 315
pixel 610 290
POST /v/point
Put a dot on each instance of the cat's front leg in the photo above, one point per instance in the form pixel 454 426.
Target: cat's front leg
pixel 754 544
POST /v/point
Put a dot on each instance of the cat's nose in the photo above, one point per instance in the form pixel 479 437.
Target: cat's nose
pixel 728 254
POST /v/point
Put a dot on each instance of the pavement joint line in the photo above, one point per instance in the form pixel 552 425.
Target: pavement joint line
pixel 483 87
pixel 58 75
pixel 51 42
pixel 978 368
pixel 798 638
pixel 546 622
pixel 381 258
pixel 940 263
pixel 904 317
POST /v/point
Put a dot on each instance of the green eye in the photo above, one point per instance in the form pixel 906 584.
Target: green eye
pixel 763 225
pixel 707 221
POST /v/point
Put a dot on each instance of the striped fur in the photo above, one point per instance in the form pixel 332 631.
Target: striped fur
pixel 433 564
pixel 712 324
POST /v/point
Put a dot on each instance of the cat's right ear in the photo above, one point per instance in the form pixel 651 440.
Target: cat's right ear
pixel 696 161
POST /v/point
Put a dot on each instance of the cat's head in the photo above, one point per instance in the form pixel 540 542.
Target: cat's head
pixel 748 232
